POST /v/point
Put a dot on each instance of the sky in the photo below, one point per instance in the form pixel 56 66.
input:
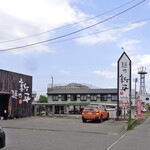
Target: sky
pixel 84 40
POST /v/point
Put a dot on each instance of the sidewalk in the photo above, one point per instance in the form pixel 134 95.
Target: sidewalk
pixel 137 139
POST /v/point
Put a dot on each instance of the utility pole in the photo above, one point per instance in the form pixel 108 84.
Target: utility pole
pixel 136 80
pixel 52 81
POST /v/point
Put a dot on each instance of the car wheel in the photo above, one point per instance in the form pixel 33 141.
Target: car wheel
pixel 83 120
pixel 0 144
pixel 101 119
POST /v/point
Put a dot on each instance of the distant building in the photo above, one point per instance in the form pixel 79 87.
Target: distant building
pixel 15 94
pixel 72 98
pixel 76 96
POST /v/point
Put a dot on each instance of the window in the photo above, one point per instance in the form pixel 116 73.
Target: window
pixel 103 97
pixel 83 97
pixel 55 97
pixel 114 97
pixel 93 97
pixel 64 97
pixel 73 97
pixel 91 107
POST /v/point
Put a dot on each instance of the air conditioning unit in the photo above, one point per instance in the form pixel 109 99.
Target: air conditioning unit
pixel 78 96
pixel 98 95
pixel 59 96
pixel 109 95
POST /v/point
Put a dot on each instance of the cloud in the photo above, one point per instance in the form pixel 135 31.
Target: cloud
pixel 64 72
pixel 134 26
pixel 130 45
pixel 27 17
pixel 105 33
pixel 98 38
pixel 141 60
pixel 105 74
pixel 149 3
pixel 41 12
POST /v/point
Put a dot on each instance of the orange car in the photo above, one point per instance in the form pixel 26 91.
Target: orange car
pixel 95 112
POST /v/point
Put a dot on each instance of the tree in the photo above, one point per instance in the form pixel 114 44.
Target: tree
pixel 43 99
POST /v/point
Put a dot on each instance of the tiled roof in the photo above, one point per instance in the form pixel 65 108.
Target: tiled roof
pixel 81 91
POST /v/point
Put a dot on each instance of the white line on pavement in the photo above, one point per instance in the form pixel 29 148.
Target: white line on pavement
pixel 116 142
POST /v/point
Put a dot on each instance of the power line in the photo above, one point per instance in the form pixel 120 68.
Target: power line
pixel 114 28
pixel 77 31
pixel 13 40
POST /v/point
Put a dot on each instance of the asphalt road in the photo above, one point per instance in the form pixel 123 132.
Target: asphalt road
pixel 137 139
pixel 61 134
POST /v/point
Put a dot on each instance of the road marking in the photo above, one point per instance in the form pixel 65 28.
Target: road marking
pixel 116 142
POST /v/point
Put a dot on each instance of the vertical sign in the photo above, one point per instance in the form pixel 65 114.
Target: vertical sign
pixel 124 80
pixel 139 105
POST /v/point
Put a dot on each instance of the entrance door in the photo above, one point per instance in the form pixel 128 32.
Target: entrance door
pixel 4 98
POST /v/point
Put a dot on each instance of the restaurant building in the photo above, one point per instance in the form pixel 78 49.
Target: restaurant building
pixel 15 94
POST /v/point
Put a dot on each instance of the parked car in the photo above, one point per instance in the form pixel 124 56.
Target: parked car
pixel 95 112
pixel 2 138
pixel 143 109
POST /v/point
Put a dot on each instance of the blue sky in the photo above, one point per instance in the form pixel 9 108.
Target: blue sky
pixel 88 60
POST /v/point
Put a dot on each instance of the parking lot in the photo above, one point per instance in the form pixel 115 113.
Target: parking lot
pixel 44 133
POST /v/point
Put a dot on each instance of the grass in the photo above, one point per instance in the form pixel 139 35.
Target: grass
pixel 146 114
pixel 133 123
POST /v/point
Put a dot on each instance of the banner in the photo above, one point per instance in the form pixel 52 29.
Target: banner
pixel 139 106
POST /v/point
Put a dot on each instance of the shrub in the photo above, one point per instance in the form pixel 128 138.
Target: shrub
pixel 132 125
pixel 148 106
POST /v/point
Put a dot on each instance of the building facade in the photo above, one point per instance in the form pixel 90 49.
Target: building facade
pixel 77 95
pixel 15 94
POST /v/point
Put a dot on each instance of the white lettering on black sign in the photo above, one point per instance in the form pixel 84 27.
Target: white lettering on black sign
pixel 23 92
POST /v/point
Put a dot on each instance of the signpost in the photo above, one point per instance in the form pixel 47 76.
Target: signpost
pixel 124 82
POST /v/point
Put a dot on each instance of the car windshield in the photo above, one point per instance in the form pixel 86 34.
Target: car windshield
pixel 91 107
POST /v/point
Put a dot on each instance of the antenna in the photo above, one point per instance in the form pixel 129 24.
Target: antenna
pixel 122 49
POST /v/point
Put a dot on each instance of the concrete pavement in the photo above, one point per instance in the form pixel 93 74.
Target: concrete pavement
pixel 45 133
pixel 137 139
pixel 109 135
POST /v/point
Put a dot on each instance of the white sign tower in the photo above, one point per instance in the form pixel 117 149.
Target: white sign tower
pixel 124 81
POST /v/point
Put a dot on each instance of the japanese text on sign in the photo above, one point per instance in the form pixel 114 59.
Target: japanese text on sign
pixel 23 92
pixel 124 78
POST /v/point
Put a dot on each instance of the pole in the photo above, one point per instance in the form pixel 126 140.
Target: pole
pixel 136 80
pixel 129 119
pixel 135 88
pixel 52 81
